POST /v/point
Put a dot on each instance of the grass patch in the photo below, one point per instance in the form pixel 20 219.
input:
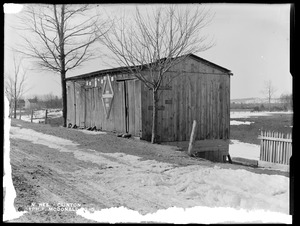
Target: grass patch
pixel 249 133
pixel 55 121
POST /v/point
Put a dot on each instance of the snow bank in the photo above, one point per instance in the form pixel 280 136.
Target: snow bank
pixel 149 186
pixel 244 150
pixel 234 122
pixel 248 114
pixel 199 214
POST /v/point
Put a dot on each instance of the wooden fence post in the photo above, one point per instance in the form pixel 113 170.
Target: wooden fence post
pixel 31 116
pixel 261 153
pixel 20 113
pixel 46 113
pixel 192 138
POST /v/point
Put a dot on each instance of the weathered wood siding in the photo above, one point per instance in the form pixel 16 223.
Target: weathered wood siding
pixel 80 104
pixel 201 92
pixel 70 103
pixel 85 106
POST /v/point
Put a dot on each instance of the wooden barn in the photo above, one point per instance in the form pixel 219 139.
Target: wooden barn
pixel 113 100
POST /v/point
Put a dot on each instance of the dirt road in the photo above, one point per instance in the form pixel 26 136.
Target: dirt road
pixel 57 171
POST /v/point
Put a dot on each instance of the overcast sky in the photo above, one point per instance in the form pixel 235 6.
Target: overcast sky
pixel 252 40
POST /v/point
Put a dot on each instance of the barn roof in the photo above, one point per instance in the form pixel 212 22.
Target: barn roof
pixel 126 70
pixel 33 101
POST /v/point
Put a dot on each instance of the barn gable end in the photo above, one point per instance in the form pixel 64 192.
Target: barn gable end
pixel 201 92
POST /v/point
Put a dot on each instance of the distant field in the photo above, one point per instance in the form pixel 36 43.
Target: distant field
pixel 279 122
pixel 248 132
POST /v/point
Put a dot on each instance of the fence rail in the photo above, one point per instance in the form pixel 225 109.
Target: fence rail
pixel 275 147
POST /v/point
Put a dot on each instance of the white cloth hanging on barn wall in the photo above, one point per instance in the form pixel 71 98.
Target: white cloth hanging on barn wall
pixel 107 95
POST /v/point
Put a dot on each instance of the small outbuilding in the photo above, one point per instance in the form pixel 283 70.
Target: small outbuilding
pixel 21 104
pixel 115 100
pixel 31 103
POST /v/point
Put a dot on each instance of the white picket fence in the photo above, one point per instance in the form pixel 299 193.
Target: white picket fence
pixel 275 147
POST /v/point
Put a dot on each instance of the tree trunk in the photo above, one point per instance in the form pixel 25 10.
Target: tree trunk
pixel 63 64
pixel 15 108
pixel 64 98
pixel 154 116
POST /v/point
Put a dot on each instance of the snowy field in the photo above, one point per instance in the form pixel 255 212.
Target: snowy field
pixel 39 115
pixel 180 189
pixel 235 122
pixel 246 150
pixel 249 114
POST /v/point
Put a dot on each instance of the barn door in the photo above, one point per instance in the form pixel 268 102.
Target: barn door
pixel 125 111
pixel 130 110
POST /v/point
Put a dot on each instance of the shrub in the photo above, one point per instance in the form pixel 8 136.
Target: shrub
pixel 256 108
pixel 277 108
pixel 262 107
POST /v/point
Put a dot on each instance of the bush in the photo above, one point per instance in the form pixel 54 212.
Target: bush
pixel 277 108
pixel 259 108
pixel 262 107
pixel 256 108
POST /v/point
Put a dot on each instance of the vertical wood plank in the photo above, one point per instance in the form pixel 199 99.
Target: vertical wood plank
pixel 221 116
pixel 131 91
pixel 137 107
pixel 189 119
pixel 202 106
pixel 183 109
pixel 198 104
pixel 178 107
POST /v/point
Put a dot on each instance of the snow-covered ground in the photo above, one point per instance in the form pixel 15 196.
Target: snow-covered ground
pixel 235 122
pixel 172 186
pixel 248 114
pixel 39 115
pixel 244 150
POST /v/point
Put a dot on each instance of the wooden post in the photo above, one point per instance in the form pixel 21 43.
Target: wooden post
pixel 192 138
pixel 31 116
pixel 20 113
pixel 46 113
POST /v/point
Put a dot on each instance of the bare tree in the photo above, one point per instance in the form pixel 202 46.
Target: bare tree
pixel 15 84
pixel 287 100
pixel 269 91
pixel 61 37
pixel 155 41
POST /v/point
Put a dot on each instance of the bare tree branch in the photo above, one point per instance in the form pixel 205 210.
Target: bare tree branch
pixel 15 83
pixel 59 37
pixel 157 40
